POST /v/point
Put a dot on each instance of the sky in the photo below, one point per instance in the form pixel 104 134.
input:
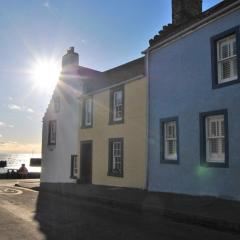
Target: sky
pixel 105 33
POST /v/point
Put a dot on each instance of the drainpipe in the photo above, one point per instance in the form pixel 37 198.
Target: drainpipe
pixel 147 119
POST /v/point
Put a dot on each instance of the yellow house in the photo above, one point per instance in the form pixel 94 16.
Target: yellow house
pixel 113 131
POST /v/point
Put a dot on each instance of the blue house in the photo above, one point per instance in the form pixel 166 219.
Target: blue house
pixel 194 101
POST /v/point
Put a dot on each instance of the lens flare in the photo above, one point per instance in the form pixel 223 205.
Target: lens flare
pixel 45 74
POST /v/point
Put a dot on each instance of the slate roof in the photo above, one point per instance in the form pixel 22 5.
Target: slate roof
pixel 171 29
pixel 94 80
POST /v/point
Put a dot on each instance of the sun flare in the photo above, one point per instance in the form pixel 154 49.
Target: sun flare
pixel 45 74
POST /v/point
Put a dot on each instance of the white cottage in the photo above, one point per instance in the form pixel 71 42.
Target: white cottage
pixel 60 136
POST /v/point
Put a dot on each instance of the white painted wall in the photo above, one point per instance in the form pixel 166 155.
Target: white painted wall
pixel 56 160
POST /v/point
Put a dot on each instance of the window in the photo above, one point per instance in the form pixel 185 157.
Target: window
pixel 169 140
pixel 214 138
pixel 117 105
pixel 52 128
pixel 115 157
pixel 74 166
pixel 225 58
pixel 56 101
pixel 87 112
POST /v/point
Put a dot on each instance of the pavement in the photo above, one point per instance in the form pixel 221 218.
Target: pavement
pixel 211 212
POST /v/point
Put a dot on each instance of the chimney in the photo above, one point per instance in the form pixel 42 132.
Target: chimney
pixel 70 60
pixel 185 10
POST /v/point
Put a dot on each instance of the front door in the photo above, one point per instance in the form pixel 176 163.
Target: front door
pixel 86 162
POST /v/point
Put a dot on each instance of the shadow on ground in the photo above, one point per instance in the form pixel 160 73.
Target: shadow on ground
pixel 62 217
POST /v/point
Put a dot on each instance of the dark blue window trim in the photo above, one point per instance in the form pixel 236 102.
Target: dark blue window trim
pixel 214 40
pixel 202 117
pixel 162 142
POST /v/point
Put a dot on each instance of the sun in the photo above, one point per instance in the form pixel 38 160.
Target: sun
pixel 45 74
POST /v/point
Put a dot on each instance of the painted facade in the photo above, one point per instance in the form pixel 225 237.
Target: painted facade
pixel 76 149
pixel 63 117
pixel 175 129
pixel 132 130
pixel 63 112
pixel 181 86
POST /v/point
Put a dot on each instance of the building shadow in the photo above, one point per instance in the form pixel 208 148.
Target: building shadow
pixel 68 217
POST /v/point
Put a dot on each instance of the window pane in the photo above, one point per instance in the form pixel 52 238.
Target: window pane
pixel 225 51
pixel 226 69
pixel 223 145
pixel 222 129
pixel 213 145
pixel 234 47
pixel 171 147
pixel 215 142
pixel 234 62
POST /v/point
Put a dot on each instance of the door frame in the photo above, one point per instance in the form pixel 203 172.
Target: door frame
pixel 81 145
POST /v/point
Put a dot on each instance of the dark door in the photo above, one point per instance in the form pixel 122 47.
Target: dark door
pixel 86 162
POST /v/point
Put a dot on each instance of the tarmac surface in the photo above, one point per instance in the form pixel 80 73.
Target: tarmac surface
pixel 28 214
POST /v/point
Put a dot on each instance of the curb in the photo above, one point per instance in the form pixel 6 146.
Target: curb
pixel 33 189
pixel 205 221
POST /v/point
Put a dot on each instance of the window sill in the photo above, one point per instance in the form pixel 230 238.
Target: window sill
pixel 111 174
pixel 225 84
pixel 111 122
pixel 215 164
pixel 168 161
pixel 73 177
pixel 86 127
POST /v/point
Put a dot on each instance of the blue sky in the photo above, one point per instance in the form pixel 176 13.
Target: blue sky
pixel 105 33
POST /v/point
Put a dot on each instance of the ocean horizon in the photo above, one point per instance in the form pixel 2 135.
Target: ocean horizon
pixel 15 160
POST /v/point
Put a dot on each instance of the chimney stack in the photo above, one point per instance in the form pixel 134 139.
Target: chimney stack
pixel 70 60
pixel 185 10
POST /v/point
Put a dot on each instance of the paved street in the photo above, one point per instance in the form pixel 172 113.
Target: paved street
pixel 27 214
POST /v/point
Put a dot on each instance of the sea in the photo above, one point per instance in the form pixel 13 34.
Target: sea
pixel 15 160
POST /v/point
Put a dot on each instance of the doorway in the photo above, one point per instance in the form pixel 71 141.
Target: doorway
pixel 86 162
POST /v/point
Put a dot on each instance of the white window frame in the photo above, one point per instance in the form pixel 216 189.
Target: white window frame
pixel 52 127
pixel 116 151
pixel 117 105
pixel 75 165
pixel 172 138
pixel 218 136
pixel 88 112
pixel 231 58
pixel 116 155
